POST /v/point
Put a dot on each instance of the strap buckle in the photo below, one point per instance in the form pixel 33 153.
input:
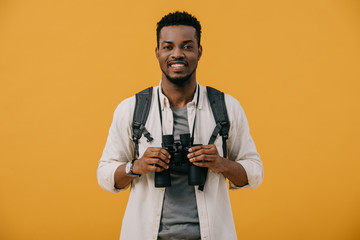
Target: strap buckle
pixel 224 129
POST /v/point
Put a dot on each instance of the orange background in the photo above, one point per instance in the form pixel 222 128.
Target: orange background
pixel 293 65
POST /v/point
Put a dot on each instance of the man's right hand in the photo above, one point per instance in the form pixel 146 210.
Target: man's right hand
pixel 154 159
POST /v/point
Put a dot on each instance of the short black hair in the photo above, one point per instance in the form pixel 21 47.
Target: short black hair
pixel 178 18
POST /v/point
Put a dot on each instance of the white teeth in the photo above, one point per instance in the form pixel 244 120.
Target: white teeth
pixel 177 65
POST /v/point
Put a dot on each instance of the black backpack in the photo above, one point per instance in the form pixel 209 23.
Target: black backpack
pixel 218 107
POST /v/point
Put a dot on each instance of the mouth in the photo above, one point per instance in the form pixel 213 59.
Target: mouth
pixel 177 66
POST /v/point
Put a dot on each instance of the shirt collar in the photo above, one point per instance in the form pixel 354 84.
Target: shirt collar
pixel 164 101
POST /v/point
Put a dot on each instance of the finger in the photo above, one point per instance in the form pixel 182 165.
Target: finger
pixel 163 151
pixel 195 148
pixel 160 155
pixel 202 152
pixel 157 149
pixel 203 158
pixel 152 149
pixel 155 168
pixel 157 162
pixel 202 164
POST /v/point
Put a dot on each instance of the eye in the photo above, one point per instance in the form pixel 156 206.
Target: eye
pixel 188 47
pixel 168 47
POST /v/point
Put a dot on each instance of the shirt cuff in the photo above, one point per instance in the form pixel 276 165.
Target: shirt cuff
pixel 254 174
pixel 106 176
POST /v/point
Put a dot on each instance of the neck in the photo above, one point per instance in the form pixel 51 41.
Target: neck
pixel 178 96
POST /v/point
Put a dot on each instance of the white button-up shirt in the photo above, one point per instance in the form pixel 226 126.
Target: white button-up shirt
pixel 143 212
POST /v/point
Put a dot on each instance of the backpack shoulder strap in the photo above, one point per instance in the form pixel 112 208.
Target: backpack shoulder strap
pixel 218 107
pixel 141 112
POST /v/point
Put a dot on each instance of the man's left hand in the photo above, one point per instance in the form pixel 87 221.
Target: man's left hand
pixel 207 156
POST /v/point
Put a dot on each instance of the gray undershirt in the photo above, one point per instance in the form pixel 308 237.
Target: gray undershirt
pixel 179 217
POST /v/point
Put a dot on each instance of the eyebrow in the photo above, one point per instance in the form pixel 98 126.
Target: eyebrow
pixel 169 42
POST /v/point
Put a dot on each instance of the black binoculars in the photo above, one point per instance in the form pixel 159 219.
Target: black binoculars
pixel 179 152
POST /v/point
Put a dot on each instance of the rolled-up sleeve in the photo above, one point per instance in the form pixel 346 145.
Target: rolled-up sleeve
pixel 241 147
pixel 119 148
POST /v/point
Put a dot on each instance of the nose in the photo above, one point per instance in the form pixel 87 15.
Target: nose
pixel 177 53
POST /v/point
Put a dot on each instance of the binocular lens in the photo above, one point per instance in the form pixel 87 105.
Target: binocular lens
pixel 196 175
pixel 162 179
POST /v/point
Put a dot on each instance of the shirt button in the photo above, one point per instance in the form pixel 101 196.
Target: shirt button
pixel 157 214
pixel 153 236
pixel 170 121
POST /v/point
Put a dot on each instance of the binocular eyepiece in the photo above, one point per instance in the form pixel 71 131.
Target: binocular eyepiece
pixel 179 152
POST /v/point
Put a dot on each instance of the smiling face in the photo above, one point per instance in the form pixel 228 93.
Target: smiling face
pixel 178 54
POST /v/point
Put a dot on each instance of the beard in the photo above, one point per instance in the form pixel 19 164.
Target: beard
pixel 179 81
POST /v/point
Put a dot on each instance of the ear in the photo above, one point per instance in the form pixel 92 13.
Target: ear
pixel 157 53
pixel 199 52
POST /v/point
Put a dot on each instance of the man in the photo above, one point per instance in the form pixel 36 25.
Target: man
pixel 179 105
